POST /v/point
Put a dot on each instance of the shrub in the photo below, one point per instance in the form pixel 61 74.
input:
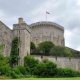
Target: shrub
pixel 67 73
pixel 4 65
pixel 46 69
pixel 30 64
pixel 22 70
pixel 5 70
pixel 18 72
pixel 15 73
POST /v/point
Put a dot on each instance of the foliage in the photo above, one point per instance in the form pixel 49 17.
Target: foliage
pixel 48 48
pixel 61 51
pixel 3 60
pixel 46 69
pixel 33 67
pixel 67 73
pixel 22 70
pixel 30 64
pixel 4 65
pixel 75 53
pixel 16 73
pixel 32 48
pixel 14 56
pixel 68 52
pixel 45 47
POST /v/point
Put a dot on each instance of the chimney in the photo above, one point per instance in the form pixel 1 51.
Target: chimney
pixel 20 20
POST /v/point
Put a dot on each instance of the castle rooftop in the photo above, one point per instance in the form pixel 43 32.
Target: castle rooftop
pixel 47 23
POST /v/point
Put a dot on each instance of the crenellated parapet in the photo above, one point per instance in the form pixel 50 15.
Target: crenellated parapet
pixel 47 23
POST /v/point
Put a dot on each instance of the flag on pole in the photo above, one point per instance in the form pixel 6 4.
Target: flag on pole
pixel 47 12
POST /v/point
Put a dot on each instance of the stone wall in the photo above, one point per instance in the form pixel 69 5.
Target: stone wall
pixel 5 38
pixel 44 31
pixel 47 31
pixel 63 62
pixel 22 31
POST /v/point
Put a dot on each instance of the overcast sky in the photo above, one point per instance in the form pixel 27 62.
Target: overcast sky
pixel 63 12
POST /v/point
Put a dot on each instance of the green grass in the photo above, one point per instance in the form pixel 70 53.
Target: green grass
pixel 78 78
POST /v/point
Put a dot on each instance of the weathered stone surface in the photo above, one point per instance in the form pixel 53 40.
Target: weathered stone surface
pixel 63 62
pixel 5 38
pixel 36 32
pixel 20 30
pixel 47 31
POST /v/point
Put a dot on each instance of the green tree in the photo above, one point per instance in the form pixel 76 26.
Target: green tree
pixel 45 47
pixel 60 51
pixel 68 52
pixel 32 48
pixel 14 56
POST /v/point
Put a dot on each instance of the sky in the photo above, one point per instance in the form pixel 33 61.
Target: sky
pixel 63 12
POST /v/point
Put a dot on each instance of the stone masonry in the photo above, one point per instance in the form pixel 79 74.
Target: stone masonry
pixel 20 30
pixel 47 31
pixel 37 33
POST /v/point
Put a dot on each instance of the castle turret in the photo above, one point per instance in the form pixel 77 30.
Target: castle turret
pixel 22 31
pixel 20 21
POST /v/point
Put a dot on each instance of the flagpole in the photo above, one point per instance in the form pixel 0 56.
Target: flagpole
pixel 46 15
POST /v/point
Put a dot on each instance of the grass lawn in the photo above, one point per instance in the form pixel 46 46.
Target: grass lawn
pixel 78 78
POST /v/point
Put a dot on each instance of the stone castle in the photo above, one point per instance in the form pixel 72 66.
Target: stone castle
pixel 37 33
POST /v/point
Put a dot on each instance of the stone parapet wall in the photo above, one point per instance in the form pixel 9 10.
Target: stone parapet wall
pixel 47 23
pixel 63 62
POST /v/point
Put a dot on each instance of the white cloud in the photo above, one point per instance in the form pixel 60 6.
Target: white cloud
pixel 63 12
pixel 78 48
pixel 78 2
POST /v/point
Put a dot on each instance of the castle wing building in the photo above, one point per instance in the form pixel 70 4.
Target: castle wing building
pixel 22 31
